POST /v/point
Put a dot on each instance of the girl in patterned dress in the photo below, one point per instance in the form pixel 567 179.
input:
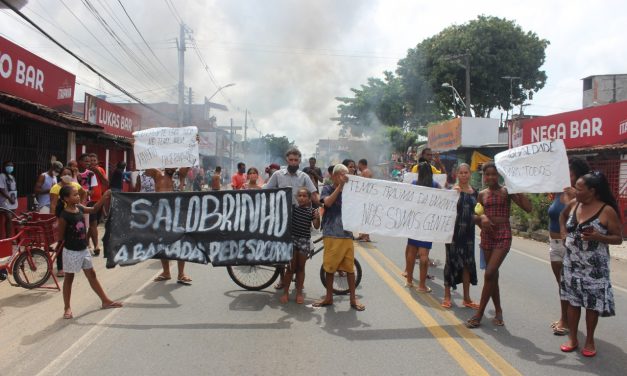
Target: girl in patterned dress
pixel 460 266
pixel 496 239
pixel 593 223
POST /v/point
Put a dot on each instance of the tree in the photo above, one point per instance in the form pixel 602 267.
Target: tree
pixel 496 47
pixel 379 103
pixel 271 147
pixel 418 94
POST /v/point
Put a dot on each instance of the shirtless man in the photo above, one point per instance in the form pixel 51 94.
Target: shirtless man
pixel 364 171
pixel 165 183
pixel 216 179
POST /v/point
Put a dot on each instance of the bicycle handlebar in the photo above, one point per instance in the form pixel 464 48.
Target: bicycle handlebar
pixel 22 219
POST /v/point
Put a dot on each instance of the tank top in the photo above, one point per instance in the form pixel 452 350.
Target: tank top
pixel 496 204
pixel 554 213
pixel 44 198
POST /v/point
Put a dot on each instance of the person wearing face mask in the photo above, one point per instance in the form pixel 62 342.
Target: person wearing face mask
pixel 8 198
pixel 44 182
pixel 239 178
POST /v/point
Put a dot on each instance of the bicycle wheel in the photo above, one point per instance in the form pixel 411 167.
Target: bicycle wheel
pixel 253 277
pixel 340 281
pixel 31 270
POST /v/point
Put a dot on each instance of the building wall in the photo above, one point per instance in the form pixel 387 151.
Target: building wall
pixel 599 90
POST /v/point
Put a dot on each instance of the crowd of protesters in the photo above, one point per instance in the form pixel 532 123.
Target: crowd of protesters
pixel 583 220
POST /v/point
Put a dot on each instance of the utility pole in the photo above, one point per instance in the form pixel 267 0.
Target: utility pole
pixel 189 109
pixel 181 48
pixel 231 152
pixel 245 125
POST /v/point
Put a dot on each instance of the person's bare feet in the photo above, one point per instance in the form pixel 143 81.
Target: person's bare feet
pixel 68 314
pixel 300 299
pixel 284 298
pixel 111 304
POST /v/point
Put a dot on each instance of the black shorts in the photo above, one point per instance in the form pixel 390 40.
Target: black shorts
pixel 94 217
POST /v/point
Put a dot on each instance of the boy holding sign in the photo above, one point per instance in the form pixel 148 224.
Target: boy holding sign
pixel 339 252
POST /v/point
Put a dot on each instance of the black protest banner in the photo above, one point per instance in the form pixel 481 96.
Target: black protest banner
pixel 247 227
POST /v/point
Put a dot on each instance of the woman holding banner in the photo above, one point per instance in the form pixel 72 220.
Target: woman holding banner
pixel 496 238
pixel 459 266
pixel 557 250
pixel 593 223
pixel 418 247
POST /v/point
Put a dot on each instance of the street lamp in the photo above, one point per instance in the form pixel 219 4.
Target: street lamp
pixel 217 91
pixel 213 95
pixel 456 96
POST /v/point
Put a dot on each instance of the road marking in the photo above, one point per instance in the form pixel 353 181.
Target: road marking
pixel 619 288
pixel 65 359
pixel 457 352
pixel 491 356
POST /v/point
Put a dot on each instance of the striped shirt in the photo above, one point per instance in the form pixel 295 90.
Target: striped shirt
pixel 301 221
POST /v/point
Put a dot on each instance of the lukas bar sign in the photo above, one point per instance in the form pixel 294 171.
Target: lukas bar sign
pixel 114 119
pixel 28 76
pixel 600 125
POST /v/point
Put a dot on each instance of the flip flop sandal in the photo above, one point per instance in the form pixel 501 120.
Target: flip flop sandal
pixel 473 323
pixel 321 304
pixel 358 307
pixel 68 316
pixel 112 305
pixel 446 304
pixel 560 331
pixel 185 280
pixel 471 304
pixel 498 321
pixel 161 278
pixel 425 291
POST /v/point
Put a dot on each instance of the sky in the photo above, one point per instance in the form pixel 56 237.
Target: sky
pixel 290 59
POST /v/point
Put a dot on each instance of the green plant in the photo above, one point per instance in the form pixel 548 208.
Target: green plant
pixel 538 218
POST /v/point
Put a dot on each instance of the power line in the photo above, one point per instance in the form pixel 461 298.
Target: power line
pixel 145 42
pixel 122 65
pixel 92 9
pixel 107 79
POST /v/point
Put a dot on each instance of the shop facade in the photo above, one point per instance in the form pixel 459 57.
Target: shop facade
pixel 596 134
pixel 467 140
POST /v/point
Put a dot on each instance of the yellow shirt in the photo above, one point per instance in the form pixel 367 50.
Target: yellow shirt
pixel 433 170
pixel 55 189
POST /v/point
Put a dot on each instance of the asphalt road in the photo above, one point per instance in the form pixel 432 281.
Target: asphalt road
pixel 213 327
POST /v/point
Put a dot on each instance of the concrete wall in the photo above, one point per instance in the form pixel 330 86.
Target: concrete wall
pixel 599 90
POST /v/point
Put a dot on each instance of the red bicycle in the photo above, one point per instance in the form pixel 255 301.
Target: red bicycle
pixel 28 256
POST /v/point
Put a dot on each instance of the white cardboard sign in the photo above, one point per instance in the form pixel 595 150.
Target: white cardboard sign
pixel 541 167
pixel 389 208
pixel 166 147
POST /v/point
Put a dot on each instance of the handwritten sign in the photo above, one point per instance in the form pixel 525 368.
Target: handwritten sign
pixel 541 167
pixel 225 228
pixel 166 147
pixel 396 209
